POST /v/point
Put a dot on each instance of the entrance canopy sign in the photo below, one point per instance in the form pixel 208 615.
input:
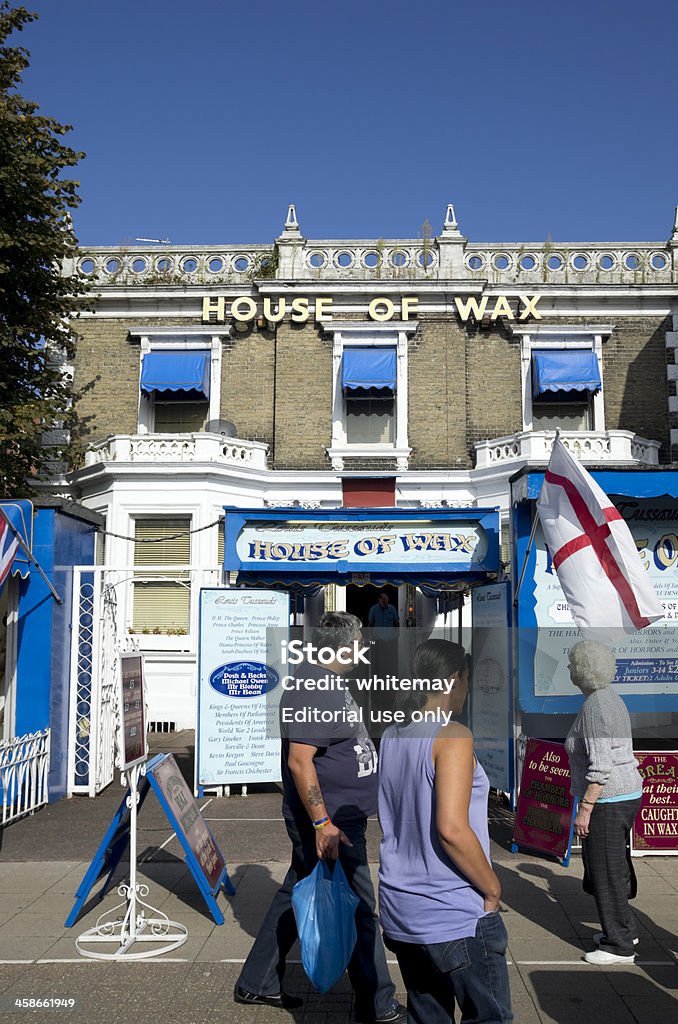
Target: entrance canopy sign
pixel 655 830
pixel 335 544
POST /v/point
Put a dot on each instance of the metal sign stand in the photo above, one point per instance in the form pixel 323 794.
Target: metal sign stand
pixel 134 926
pixel 140 923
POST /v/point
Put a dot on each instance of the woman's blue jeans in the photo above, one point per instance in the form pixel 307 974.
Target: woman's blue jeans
pixel 471 973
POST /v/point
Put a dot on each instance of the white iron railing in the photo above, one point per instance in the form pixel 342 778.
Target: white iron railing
pixel 24 764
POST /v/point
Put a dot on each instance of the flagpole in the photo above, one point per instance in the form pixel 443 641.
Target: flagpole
pixel 29 554
pixel 527 555
pixel 530 541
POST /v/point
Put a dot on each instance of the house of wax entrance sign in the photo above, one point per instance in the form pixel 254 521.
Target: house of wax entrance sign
pixel 334 545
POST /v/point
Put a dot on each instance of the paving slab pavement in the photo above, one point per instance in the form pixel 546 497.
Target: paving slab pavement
pixel 549 919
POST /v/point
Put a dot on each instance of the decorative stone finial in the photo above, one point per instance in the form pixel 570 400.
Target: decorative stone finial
pixel 291 224
pixel 450 219
pixel 675 227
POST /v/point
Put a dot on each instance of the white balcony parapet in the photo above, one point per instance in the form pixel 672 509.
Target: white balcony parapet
pixel 614 446
pixel 447 256
pixel 380 259
pixel 197 448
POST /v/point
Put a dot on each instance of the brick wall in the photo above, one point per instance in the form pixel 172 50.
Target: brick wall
pixel 634 374
pixel 303 397
pixel 464 387
pixel 247 374
pixel 105 352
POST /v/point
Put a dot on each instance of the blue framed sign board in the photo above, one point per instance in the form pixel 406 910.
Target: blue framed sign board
pixel 491 696
pixel 647 661
pixel 203 857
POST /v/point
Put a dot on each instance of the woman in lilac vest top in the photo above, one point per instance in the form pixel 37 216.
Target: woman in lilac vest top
pixel 438 894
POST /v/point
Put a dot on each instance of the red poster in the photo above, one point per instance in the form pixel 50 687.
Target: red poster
pixel 655 829
pixel 544 814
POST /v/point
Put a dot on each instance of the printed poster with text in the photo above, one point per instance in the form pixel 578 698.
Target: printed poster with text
pixel 239 685
pixel 490 686
pixel 655 830
pixel 544 813
pixel 647 661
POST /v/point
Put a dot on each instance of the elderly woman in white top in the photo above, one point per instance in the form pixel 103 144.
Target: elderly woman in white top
pixel 608 785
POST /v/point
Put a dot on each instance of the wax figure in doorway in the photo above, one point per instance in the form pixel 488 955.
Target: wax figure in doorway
pixel 382 614
pixel 329 773
pixel 606 780
pixel 383 623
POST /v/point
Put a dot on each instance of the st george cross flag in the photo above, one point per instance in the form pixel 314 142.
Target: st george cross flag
pixel 8 548
pixel 603 578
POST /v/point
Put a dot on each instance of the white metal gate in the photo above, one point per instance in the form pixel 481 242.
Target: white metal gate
pixel 97 638
pixel 101 616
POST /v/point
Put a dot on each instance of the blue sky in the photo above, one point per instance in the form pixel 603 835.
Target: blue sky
pixel 201 121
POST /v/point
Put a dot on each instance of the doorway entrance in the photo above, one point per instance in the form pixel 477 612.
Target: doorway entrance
pixel 359 599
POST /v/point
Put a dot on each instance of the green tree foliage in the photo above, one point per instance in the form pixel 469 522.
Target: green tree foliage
pixel 37 300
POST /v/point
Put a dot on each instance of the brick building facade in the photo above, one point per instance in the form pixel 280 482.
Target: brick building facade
pixel 276 425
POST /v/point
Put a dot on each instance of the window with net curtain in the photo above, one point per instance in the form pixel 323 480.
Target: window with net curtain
pixel 368 384
pixel 162 597
pixel 564 382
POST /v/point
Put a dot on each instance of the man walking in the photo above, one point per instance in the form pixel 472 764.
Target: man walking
pixel 329 773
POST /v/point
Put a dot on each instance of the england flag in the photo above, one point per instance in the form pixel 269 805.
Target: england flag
pixel 599 569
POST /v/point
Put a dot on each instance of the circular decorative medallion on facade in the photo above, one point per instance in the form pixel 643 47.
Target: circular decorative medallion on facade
pixel 528 261
pixel 399 258
pixel 501 261
pixel 317 259
pixel 189 264
pixel 371 259
pixel 580 261
pixel 241 264
pixel 215 264
pixel 606 261
pixel 343 259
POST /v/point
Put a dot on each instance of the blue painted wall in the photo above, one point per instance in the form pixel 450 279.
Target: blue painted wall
pixel 60 541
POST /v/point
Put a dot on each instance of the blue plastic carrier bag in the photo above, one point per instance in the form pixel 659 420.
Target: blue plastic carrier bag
pixel 324 907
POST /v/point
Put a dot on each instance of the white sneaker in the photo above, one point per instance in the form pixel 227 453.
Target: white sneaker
pixel 598 938
pixel 602 958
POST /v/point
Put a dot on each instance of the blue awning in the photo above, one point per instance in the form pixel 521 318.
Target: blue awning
pixel 572 369
pixel 176 371
pixel 369 368
pixel 16 519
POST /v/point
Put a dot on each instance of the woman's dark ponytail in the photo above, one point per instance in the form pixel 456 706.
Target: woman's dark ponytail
pixel 434 659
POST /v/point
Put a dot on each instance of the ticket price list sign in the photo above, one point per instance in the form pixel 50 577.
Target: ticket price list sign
pixel 545 806
pixel 132 710
pixel 655 830
pixel 240 684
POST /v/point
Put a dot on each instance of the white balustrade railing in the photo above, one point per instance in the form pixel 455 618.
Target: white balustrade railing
pixel 386 259
pixel 24 764
pixel 194 448
pixel 616 446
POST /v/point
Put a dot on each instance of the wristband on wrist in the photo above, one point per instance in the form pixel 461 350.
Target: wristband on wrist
pixel 322 822
pixel 591 803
